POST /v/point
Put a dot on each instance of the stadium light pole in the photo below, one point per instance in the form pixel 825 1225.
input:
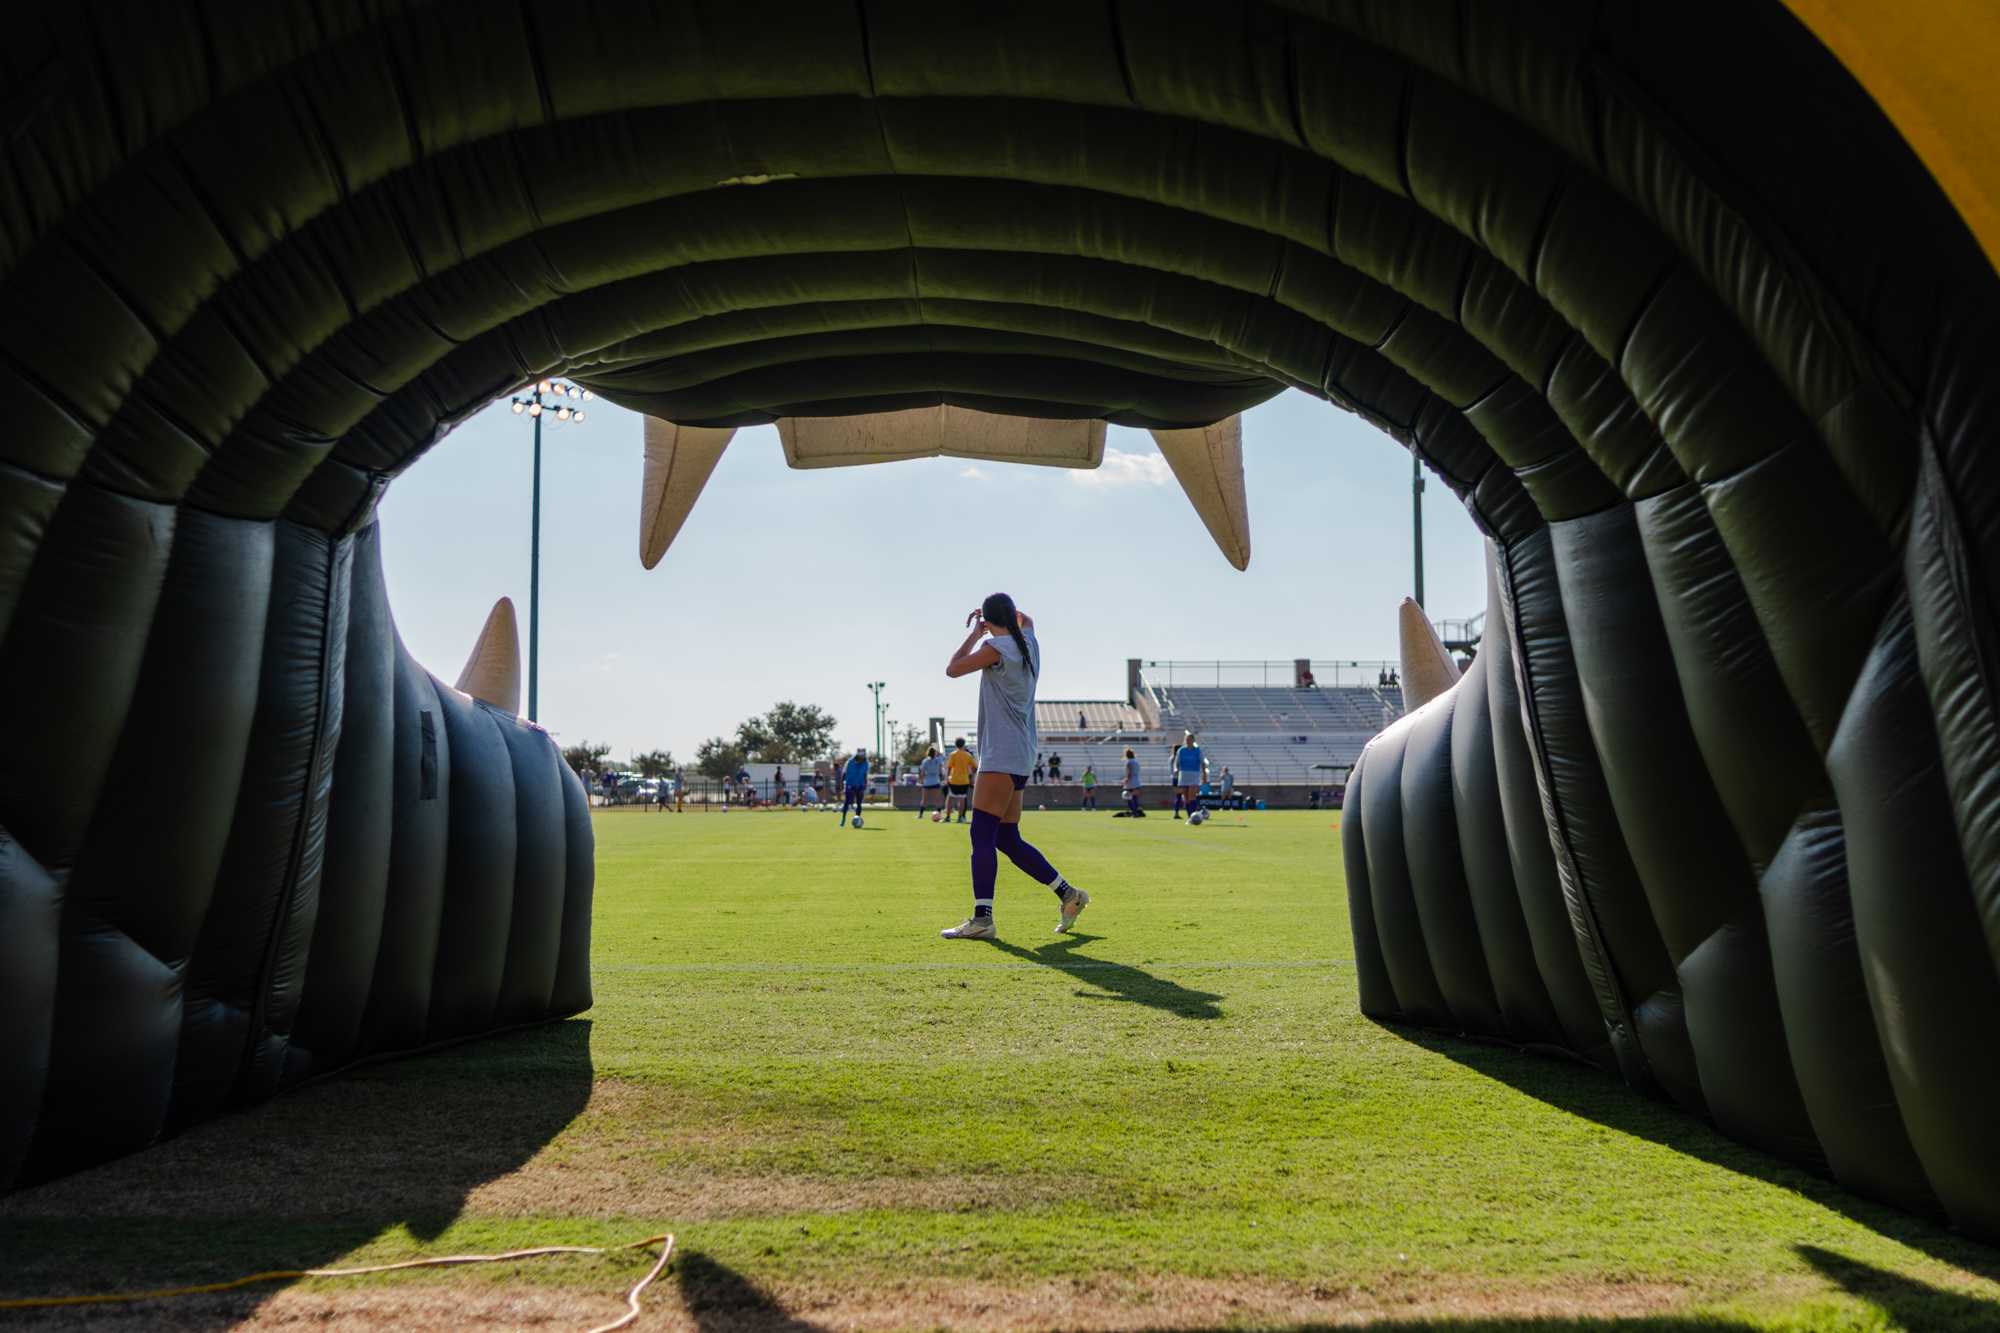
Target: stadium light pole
pixel 542 398
pixel 876 687
pixel 1417 519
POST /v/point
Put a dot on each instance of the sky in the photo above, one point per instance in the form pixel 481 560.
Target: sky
pixel 809 584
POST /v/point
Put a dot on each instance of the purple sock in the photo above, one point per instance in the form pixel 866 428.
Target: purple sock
pixel 985 862
pixel 1023 854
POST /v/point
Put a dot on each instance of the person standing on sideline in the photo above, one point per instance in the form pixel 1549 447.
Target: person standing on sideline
pixel 1089 781
pixel 1174 779
pixel 1055 767
pixel 1226 784
pixel 854 781
pixel 1190 768
pixel 959 766
pixel 930 778
pixel 1038 770
pixel 1130 786
pixel 1008 661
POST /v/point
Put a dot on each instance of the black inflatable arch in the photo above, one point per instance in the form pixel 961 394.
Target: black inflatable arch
pixel 1656 289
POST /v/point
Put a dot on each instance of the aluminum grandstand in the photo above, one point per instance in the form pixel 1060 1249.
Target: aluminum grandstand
pixel 1299 722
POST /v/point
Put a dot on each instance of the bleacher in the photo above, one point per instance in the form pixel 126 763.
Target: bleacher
pixel 1273 734
pixel 1058 718
pixel 1266 734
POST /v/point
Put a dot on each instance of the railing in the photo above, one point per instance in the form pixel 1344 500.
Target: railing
pixel 1326 671
pixel 1459 635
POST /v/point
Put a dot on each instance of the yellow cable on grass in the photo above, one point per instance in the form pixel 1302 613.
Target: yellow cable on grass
pixel 665 1241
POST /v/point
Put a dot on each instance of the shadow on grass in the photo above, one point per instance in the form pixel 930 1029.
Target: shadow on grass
pixel 718 1299
pixel 1588 1092
pixel 295 1182
pixel 1118 981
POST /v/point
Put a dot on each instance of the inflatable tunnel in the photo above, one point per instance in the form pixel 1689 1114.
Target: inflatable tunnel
pixel 1688 304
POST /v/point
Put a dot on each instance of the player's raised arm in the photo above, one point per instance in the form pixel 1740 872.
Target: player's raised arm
pixel 968 658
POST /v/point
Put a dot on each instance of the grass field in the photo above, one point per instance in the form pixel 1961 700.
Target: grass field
pixel 1174 1118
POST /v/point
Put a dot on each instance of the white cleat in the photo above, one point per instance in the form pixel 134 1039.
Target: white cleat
pixel 972 928
pixel 1073 904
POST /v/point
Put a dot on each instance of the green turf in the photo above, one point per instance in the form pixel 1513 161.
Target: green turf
pixel 787 1067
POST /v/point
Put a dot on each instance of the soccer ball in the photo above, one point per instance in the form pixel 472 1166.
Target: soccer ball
pixel 1198 817
pixel 1041 807
pixel 857 821
pixel 937 816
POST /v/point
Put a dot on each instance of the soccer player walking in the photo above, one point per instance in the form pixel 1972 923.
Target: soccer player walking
pixel 1009 661
pixel 854 781
pixel 959 766
pixel 930 780
pixel 1130 786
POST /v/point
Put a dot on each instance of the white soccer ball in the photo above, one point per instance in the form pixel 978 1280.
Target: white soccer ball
pixel 1041 807
pixel 1198 817
pixel 936 816
pixel 857 821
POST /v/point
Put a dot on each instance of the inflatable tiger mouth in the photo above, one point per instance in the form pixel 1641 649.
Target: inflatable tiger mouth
pixel 1688 303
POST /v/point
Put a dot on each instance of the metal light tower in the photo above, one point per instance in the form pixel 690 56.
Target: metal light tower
pixel 544 398
pixel 876 687
pixel 1417 519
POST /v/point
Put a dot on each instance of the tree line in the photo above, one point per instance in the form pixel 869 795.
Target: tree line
pixel 789 733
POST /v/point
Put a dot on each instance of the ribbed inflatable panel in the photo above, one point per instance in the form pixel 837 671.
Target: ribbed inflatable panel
pixel 1658 290
pixel 281 849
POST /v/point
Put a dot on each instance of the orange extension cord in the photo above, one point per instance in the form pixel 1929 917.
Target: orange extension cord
pixel 665 1241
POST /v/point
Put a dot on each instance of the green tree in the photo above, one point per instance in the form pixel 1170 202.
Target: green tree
pixel 585 755
pixel 754 737
pixel 654 764
pixel 719 758
pixel 790 733
pixel 911 742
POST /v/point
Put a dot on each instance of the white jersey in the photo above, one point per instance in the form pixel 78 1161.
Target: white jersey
pixel 1007 737
pixel 931 771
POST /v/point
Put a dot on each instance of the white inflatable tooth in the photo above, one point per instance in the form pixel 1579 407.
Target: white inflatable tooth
pixel 1428 670
pixel 679 460
pixel 1208 463
pixel 493 673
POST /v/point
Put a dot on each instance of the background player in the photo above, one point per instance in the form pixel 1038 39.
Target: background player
pixel 959 766
pixel 854 784
pixel 1009 661
pixel 1130 785
pixel 930 782
pixel 1190 769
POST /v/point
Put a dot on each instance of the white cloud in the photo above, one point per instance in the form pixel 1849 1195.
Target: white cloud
pixel 1123 468
pixel 974 474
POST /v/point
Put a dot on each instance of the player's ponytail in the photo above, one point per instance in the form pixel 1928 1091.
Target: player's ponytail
pixel 999 610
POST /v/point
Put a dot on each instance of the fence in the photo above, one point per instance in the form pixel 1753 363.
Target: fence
pixel 709 794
